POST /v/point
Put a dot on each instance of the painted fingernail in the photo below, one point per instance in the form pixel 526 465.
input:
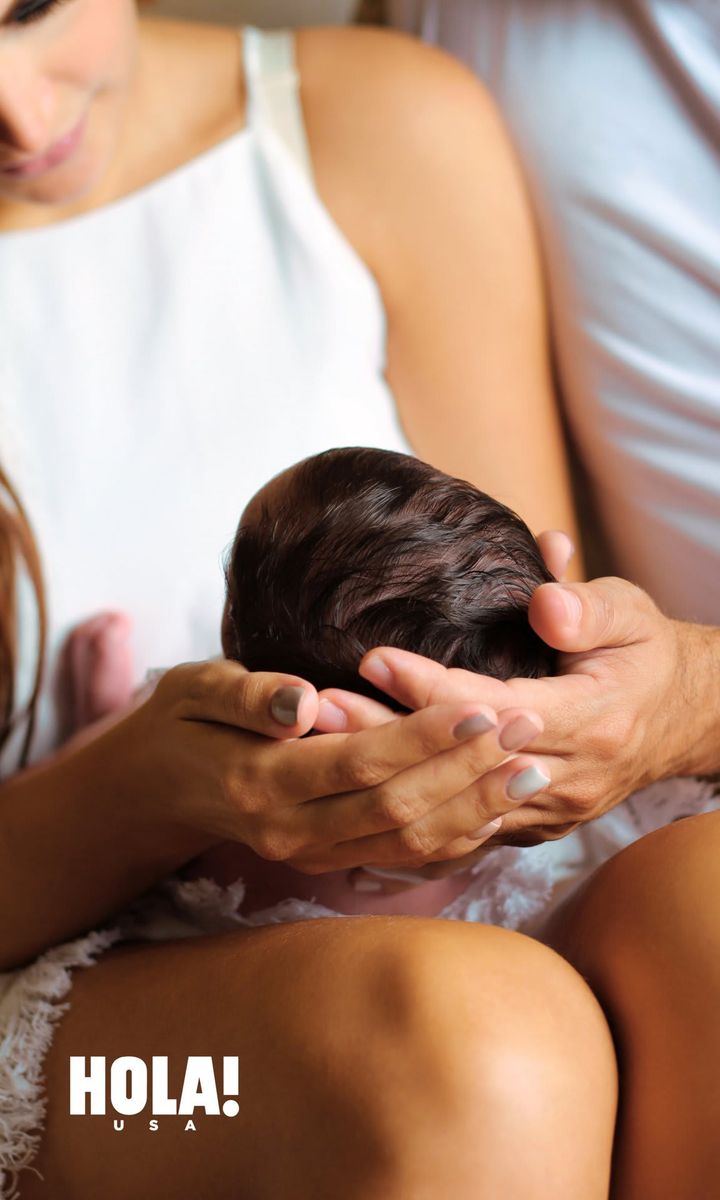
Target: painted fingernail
pixel 526 783
pixel 333 718
pixel 484 830
pixel 470 726
pixel 377 672
pixel 361 884
pixel 285 704
pixel 517 733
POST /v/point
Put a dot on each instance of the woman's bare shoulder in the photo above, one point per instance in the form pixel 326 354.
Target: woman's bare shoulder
pixel 356 64
pixel 392 124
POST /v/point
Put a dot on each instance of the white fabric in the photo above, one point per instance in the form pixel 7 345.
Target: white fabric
pixel 615 109
pixel 273 99
pixel 160 359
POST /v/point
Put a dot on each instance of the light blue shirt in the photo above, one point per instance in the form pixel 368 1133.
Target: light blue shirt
pixel 615 108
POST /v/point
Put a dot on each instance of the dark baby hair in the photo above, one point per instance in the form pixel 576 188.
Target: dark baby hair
pixel 368 548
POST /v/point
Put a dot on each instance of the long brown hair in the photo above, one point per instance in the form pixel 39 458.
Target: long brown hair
pixel 18 548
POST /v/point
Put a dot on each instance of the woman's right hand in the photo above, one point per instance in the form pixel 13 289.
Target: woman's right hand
pixel 219 750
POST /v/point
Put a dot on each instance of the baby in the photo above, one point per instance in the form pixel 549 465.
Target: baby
pixel 356 548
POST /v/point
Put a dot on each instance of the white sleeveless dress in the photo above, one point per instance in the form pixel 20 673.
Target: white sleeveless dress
pixel 160 359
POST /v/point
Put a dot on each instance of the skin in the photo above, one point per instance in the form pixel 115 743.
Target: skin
pixel 376 108
pixel 644 931
pixel 136 129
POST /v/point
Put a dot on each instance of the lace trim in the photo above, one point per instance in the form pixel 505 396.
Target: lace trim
pixel 29 1012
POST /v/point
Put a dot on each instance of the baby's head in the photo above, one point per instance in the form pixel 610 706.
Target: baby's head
pixel 356 548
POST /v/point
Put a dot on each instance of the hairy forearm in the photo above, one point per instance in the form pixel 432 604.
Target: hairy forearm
pixel 77 842
pixel 698 708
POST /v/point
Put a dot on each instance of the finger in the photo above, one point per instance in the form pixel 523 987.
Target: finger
pixel 557 549
pixel 416 682
pixel 337 770
pixel 461 824
pixel 221 691
pixel 456 827
pixel 586 616
pixel 348 712
pixel 426 781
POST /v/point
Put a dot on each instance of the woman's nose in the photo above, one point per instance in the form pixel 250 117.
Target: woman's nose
pixel 27 109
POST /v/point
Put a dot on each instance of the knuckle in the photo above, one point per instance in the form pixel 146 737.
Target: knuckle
pixel 425 741
pixel 583 802
pixel 273 846
pixel 638 595
pixel 481 756
pixel 197 679
pixel 416 843
pixel 244 790
pixel 364 772
pixel 396 808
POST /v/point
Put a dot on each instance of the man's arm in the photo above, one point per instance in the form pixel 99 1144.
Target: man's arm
pixel 413 162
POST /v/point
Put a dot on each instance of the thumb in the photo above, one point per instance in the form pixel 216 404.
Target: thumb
pixel 587 616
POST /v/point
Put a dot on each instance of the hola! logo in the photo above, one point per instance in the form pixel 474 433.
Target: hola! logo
pixel 130 1088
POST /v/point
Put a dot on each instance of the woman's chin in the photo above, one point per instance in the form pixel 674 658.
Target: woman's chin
pixel 49 191
pixel 66 186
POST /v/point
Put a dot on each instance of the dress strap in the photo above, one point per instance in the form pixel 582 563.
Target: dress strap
pixel 273 90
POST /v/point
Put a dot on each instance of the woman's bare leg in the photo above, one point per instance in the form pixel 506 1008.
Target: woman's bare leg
pixel 645 932
pixel 396 1058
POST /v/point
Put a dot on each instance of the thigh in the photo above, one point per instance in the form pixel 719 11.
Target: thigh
pixel 644 930
pixel 372 1053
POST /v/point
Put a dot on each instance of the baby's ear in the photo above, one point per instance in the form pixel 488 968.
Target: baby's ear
pixel 557 550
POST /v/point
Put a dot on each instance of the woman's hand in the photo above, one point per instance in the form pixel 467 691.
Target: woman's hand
pixel 253 791
pixel 208 751
pixel 616 717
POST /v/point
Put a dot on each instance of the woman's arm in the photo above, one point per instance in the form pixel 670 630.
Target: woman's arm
pixel 73 851
pixel 87 831
pixel 414 163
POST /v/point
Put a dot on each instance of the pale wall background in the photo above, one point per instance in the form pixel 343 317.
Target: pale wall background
pixel 265 13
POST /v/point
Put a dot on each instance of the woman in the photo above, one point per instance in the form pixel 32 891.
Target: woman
pixel 154 215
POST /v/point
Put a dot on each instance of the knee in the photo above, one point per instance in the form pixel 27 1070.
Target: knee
pixel 482 1006
pixel 649 916
pixel 468 1033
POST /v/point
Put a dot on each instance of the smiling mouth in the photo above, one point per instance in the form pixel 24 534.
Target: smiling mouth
pixel 58 153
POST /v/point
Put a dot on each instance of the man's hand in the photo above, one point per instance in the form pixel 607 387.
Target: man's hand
pixel 616 717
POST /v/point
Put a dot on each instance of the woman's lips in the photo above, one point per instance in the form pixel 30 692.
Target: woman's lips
pixel 58 153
